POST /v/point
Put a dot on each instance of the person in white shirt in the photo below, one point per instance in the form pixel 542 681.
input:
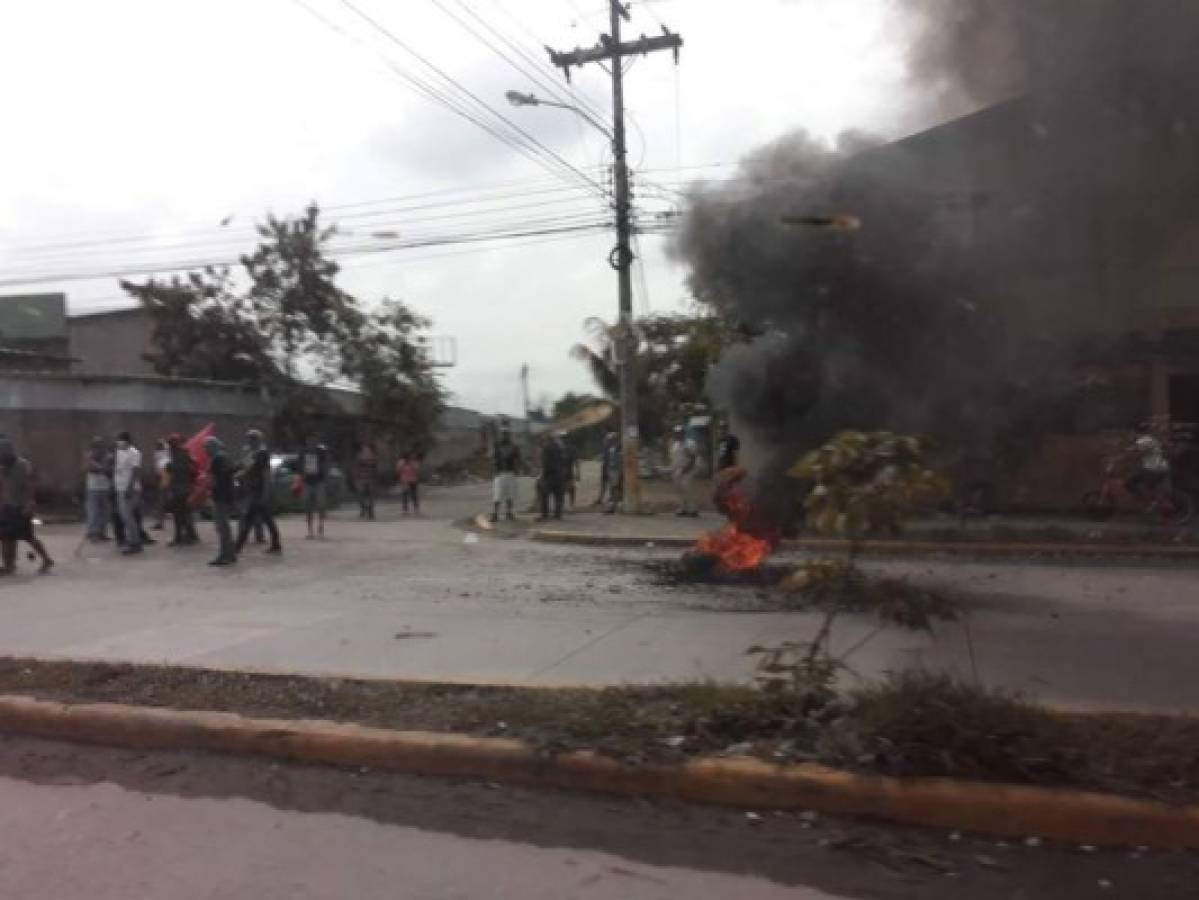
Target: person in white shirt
pixel 127 479
pixel 683 458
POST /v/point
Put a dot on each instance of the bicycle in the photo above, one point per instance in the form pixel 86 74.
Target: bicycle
pixel 1171 505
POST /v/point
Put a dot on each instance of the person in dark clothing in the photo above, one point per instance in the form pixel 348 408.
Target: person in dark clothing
pixel 728 449
pixel 224 496
pixel 366 474
pixel 506 461
pixel 16 509
pixel 570 466
pixel 553 476
pixel 180 482
pixel 256 481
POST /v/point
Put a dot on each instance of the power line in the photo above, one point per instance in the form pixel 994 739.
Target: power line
pixel 537 76
pixel 435 94
pixel 216 261
pixel 462 89
pixel 574 90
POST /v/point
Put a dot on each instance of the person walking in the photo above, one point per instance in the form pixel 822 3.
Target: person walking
pixel 505 462
pixel 16 509
pixel 614 464
pixel 224 496
pixel 570 467
pixel 256 482
pixel 313 465
pixel 179 483
pixel 127 480
pixel 683 458
pixel 159 498
pixel 97 474
pixel 408 472
pixel 366 475
pixel 553 477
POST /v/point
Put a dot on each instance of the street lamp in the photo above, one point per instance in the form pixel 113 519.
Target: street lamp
pixel 621 259
pixel 517 98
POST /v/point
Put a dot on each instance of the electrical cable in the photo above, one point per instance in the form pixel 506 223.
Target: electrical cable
pixel 449 79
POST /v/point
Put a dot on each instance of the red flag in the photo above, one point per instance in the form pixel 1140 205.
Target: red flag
pixel 199 454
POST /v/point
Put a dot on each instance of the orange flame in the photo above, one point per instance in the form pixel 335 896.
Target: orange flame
pixel 737 548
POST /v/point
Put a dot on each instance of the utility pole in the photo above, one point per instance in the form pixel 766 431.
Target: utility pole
pixel 612 49
pixel 524 393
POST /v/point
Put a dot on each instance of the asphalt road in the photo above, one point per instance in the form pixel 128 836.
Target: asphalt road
pixel 80 823
pixel 421 598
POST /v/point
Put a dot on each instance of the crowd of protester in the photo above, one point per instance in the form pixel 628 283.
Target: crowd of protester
pixel 182 479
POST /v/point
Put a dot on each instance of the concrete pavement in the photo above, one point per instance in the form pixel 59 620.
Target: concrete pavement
pixel 416 598
pixel 105 842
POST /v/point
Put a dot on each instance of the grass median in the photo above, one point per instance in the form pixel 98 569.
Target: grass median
pixel 911 725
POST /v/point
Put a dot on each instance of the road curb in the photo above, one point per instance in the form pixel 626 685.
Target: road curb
pixel 1000 810
pixel 900 548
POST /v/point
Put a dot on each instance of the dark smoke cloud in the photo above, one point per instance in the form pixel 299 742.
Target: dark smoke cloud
pixel 994 259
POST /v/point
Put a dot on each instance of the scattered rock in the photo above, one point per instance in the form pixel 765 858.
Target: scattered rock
pixel 753 817
pixel 1104 884
pixel 742 749
pixel 1087 848
pixel 1032 842
pixel 675 740
pixel 955 836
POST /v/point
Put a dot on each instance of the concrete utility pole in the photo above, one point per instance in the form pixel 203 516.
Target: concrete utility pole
pixel 610 48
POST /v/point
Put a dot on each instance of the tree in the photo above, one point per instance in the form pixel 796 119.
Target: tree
pixel 292 329
pixel 674 355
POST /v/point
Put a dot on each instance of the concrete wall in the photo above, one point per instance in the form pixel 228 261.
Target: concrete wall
pixel 111 343
pixel 52 418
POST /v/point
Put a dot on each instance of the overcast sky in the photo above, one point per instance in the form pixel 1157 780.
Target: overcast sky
pixel 134 128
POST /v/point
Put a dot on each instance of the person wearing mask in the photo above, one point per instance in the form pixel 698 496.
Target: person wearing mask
pixel 505 461
pixel 16 509
pixel 366 475
pixel 683 458
pixel 97 474
pixel 570 466
pixel 180 482
pixel 256 482
pixel 127 480
pixel 224 496
pixel 408 472
pixel 313 464
pixel 553 477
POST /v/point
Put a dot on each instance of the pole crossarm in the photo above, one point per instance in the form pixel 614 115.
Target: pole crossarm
pixel 607 49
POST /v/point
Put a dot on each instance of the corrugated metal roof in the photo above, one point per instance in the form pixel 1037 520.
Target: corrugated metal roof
pixel 33 317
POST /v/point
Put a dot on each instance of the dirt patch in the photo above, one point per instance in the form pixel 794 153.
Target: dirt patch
pixel 912 725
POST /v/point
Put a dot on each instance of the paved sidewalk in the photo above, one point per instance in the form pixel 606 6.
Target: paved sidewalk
pixel 420 598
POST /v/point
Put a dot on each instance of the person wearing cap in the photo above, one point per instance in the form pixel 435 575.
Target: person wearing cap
pixel 224 496
pixel 313 465
pixel 506 462
pixel 127 481
pixel 552 484
pixel 683 458
pixel 180 481
pixel 16 509
pixel 256 480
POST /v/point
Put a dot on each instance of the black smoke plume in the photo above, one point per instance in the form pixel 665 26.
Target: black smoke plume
pixel 1001 257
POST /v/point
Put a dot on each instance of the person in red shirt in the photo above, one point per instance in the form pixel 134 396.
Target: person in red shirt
pixel 408 474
